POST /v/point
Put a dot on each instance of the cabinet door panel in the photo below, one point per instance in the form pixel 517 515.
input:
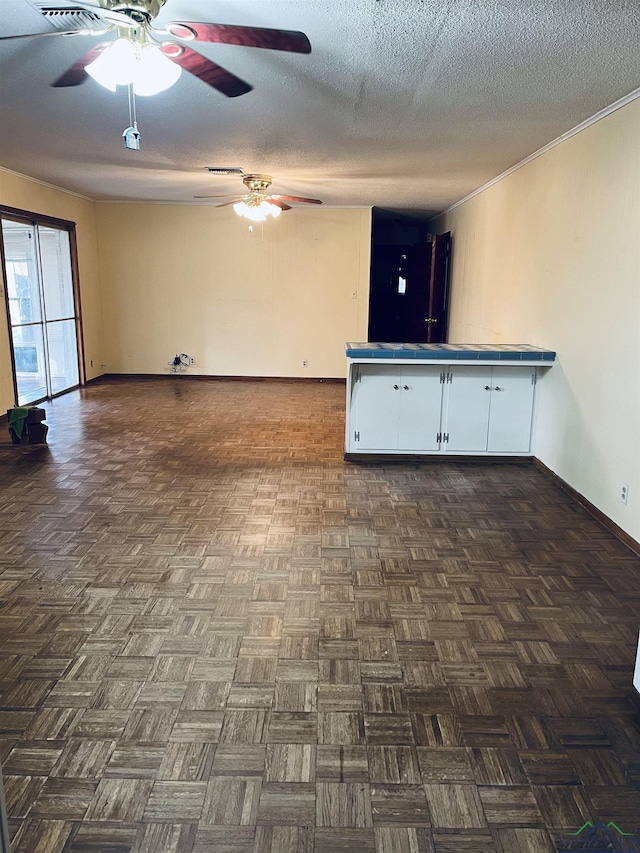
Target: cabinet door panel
pixel 376 402
pixel 420 406
pixel 511 410
pixel 468 409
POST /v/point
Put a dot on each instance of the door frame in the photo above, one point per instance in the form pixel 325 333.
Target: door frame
pixel 428 262
pixel 30 218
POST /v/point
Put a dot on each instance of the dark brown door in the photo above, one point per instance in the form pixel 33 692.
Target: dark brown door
pixel 436 319
pixel 409 292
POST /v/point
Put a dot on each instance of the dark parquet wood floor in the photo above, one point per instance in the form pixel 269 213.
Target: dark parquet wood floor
pixel 219 637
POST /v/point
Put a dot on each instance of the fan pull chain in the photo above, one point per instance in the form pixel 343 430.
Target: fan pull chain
pixel 131 134
pixel 132 104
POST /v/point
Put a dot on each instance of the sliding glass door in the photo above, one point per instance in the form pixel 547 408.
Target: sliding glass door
pixel 42 309
pixel 59 309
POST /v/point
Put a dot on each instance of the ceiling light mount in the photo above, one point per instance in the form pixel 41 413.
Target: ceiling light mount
pixel 140 11
pixel 258 184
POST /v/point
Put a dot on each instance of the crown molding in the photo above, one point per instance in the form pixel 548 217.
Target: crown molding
pixel 622 102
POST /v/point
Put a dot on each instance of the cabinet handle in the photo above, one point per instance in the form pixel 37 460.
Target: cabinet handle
pixel 498 388
pixel 487 388
pixel 406 387
pixel 396 387
pixel 431 319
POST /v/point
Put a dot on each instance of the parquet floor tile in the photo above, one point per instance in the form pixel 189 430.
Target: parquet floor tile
pixel 216 634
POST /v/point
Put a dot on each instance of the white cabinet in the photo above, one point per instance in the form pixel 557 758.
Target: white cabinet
pixel 396 408
pixel 440 408
pixel 489 409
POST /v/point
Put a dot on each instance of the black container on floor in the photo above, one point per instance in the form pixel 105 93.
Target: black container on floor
pixel 33 431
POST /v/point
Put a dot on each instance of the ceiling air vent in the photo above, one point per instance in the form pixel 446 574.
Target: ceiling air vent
pixel 67 16
pixel 225 170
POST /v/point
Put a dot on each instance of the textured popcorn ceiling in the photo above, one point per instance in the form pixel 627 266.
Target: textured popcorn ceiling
pixel 407 104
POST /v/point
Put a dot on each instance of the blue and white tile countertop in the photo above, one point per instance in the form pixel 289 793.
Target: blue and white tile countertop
pixel 450 352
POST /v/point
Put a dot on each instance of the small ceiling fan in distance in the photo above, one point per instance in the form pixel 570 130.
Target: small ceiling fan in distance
pixel 257 204
pixel 132 22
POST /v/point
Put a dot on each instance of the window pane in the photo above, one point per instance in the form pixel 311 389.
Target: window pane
pixel 55 256
pixel 22 272
pixel 63 355
pixel 28 352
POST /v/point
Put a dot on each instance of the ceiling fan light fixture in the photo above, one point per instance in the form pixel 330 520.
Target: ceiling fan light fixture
pixel 155 72
pixel 116 65
pixel 256 211
pixel 127 62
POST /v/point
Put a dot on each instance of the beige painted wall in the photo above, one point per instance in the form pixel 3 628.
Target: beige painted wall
pixel 193 279
pixel 550 255
pixel 34 197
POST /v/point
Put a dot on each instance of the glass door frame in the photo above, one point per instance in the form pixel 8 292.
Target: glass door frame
pixel 33 220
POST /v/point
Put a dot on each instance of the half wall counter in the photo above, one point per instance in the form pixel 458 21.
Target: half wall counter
pixel 449 399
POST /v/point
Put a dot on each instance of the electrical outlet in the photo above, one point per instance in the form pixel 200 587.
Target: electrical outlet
pixel 624 493
pixel 192 360
pixel 305 363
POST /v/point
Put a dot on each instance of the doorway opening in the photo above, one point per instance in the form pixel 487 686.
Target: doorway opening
pixel 40 286
pixel 409 282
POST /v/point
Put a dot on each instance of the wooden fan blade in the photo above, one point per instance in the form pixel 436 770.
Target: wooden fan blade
pixel 298 199
pixel 278 203
pixel 291 40
pixel 224 203
pixel 76 75
pixel 214 75
pixel 213 196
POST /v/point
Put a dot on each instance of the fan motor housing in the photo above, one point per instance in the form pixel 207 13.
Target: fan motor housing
pixel 141 11
pixel 257 183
